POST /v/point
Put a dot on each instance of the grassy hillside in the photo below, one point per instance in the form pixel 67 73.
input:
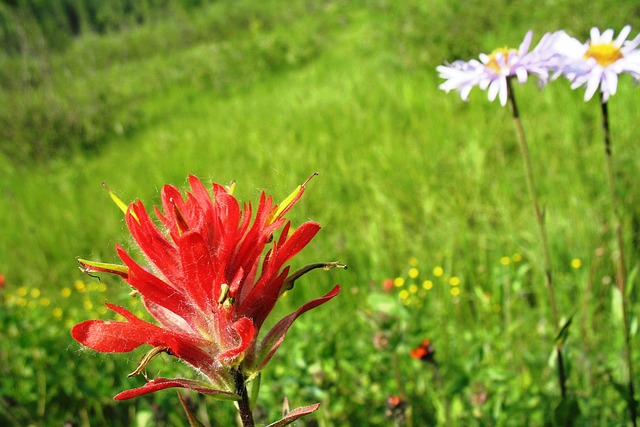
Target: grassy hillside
pixel 265 95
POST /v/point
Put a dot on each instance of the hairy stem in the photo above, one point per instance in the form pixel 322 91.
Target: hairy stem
pixel 244 406
pixel 620 260
pixel 542 229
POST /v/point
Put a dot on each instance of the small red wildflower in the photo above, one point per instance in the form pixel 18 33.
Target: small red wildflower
pixel 1 281
pixel 424 351
pixel 395 407
pixel 387 285
pixel 210 286
pixel 394 401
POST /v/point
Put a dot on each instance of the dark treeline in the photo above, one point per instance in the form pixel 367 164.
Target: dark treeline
pixel 28 25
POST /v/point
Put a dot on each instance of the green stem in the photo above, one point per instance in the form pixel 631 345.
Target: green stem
pixel 542 229
pixel 401 391
pixel 620 260
pixel 244 406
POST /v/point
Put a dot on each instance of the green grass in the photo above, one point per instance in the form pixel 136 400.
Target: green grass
pixel 349 91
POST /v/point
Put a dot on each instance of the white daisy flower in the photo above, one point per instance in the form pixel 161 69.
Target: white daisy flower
pixel 598 62
pixel 493 70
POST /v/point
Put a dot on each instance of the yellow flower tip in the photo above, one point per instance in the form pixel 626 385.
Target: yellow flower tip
pixel 505 260
pixel 413 289
pixel 119 203
pixel 285 204
pixel 35 293
pixel 413 261
pixel 454 281
pixel 517 257
pixel 66 292
pixel 231 187
pixel 87 266
pixel 45 302
pixel 398 282
pixel 576 263
pixel 438 271
pixel 57 312
pixel 289 200
pixel 414 272
pixel 404 294
pixel 22 291
pixel 455 291
pixel 427 284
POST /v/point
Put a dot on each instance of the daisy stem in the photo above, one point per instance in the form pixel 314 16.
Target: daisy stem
pixel 620 259
pixel 244 406
pixel 542 229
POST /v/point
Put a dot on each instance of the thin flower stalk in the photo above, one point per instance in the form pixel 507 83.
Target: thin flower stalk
pixel 621 274
pixel 542 228
pixel 494 73
pixel 597 65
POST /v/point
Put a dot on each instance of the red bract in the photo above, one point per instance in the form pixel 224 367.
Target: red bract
pixel 210 286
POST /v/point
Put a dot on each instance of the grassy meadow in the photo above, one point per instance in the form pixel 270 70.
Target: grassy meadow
pixel 414 185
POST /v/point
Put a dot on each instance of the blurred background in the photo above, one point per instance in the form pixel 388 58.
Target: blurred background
pixel 420 193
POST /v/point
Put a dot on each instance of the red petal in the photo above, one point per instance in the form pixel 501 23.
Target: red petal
pixel 296 242
pixel 109 337
pixel 258 309
pixel 171 199
pixel 246 332
pixel 163 383
pixel 197 268
pixel 266 291
pixel 158 250
pixel 155 289
pixel 275 336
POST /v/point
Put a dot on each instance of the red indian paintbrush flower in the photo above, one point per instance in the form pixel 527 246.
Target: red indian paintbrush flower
pixel 210 286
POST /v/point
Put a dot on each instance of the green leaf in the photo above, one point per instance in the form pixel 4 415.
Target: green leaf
pixel 291 416
pixel 567 412
pixel 193 420
pixel 255 390
pixel 564 330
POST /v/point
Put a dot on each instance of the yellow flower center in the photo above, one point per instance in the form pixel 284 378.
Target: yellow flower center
pixel 604 53
pixel 493 58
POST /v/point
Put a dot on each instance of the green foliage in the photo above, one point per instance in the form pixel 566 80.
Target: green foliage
pixel 61 104
pixel 266 95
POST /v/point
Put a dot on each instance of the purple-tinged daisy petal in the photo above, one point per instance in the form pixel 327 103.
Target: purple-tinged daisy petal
pixel 597 63
pixel 493 69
